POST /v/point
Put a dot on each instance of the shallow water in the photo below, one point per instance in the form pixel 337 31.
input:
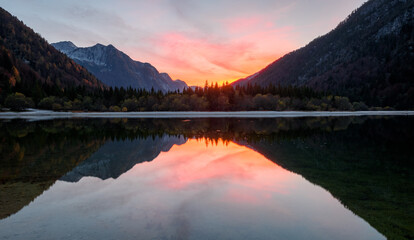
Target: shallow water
pixel 206 179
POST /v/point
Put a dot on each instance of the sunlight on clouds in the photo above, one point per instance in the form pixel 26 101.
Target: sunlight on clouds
pixel 192 40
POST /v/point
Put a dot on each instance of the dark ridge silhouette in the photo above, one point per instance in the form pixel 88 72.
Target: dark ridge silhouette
pixel 369 57
pixel 30 63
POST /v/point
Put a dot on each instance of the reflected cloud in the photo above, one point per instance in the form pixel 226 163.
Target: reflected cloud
pixel 193 191
pixel 217 164
pixel 209 180
pixel 117 157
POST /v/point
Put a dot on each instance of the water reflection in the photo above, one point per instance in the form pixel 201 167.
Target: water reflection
pixel 116 157
pixel 366 163
pixel 191 192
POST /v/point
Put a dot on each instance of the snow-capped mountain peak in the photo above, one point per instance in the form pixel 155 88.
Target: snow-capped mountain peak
pixel 96 54
pixel 116 69
pixel 65 46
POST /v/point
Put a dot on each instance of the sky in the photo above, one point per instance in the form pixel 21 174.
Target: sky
pixel 191 40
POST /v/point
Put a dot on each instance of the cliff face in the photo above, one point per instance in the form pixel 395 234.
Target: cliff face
pixel 368 57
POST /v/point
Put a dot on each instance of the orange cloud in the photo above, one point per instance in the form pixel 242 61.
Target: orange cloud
pixel 191 40
pixel 201 55
pixel 253 43
pixel 196 165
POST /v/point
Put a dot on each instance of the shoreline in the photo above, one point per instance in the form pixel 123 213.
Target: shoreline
pixel 46 115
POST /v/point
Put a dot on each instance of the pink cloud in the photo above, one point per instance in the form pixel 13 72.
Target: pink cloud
pixel 237 25
pixel 195 165
pixel 238 47
pixel 191 40
pixel 187 173
pixel 200 58
pixel 196 58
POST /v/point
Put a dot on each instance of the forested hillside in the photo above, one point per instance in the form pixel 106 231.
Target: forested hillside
pixel 369 57
pixel 29 65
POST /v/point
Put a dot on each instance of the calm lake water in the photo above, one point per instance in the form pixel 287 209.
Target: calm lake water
pixel 304 178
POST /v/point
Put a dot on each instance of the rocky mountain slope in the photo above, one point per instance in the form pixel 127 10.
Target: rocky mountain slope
pixel 116 69
pixel 368 57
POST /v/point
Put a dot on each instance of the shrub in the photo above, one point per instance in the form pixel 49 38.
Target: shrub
pixel 47 102
pixel 67 105
pixel 342 103
pixel 131 104
pixel 360 106
pixel 114 109
pixel 56 106
pixel 18 102
pixel 77 104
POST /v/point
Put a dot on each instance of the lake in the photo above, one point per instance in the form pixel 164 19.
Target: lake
pixel 204 178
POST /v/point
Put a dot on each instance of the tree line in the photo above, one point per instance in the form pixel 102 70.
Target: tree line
pixel 211 97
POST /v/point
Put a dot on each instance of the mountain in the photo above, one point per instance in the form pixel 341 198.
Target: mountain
pixel 116 69
pixel 28 61
pixel 368 57
pixel 65 47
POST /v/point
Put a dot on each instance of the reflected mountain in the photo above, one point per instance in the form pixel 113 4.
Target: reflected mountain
pixel 366 163
pixel 369 168
pixel 33 157
pixel 116 157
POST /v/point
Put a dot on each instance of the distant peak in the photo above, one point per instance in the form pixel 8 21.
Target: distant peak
pixel 65 46
pixel 67 43
pixel 164 74
pixel 99 45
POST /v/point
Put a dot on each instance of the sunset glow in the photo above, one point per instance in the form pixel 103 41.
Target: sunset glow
pixel 222 162
pixel 206 119
pixel 193 41
pixel 195 191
